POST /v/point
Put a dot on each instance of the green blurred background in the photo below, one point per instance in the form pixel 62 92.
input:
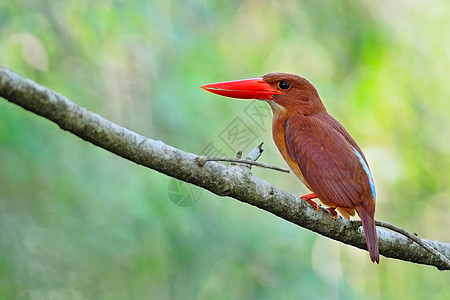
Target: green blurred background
pixel 77 222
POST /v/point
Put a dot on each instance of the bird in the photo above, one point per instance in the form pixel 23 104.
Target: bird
pixel 317 148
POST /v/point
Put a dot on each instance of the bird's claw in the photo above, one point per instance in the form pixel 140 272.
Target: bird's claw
pixel 332 210
pixel 308 198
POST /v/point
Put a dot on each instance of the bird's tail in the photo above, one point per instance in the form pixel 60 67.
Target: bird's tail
pixel 370 231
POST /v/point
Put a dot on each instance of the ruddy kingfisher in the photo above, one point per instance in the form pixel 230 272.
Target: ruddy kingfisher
pixel 317 148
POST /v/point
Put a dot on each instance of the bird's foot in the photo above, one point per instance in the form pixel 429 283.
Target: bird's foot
pixel 332 210
pixel 308 198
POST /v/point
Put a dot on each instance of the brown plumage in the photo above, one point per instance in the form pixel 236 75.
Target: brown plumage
pixel 315 145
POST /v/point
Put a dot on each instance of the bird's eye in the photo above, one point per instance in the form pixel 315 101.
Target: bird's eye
pixel 284 85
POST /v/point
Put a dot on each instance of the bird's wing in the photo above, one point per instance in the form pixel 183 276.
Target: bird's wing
pixel 338 127
pixel 329 163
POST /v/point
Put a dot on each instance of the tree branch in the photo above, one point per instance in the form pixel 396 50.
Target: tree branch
pixel 238 183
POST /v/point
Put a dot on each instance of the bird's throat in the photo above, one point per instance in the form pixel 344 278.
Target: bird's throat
pixel 277 109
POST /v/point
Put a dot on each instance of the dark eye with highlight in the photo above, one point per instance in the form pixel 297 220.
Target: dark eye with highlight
pixel 284 85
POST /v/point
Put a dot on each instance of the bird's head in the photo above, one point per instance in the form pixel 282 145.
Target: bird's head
pixel 287 94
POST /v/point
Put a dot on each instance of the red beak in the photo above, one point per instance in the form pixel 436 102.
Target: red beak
pixel 255 88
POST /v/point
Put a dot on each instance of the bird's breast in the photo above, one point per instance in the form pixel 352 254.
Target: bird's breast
pixel 279 137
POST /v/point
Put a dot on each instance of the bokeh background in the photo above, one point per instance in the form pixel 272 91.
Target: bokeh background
pixel 77 222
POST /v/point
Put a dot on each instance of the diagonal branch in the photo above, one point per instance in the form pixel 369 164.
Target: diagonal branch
pixel 238 183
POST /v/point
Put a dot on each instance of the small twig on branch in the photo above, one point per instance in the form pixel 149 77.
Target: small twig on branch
pixel 416 239
pixel 201 160
pixel 255 153
pixel 252 156
pixel 250 160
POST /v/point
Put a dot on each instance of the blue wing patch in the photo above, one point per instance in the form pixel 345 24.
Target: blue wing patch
pixel 366 169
